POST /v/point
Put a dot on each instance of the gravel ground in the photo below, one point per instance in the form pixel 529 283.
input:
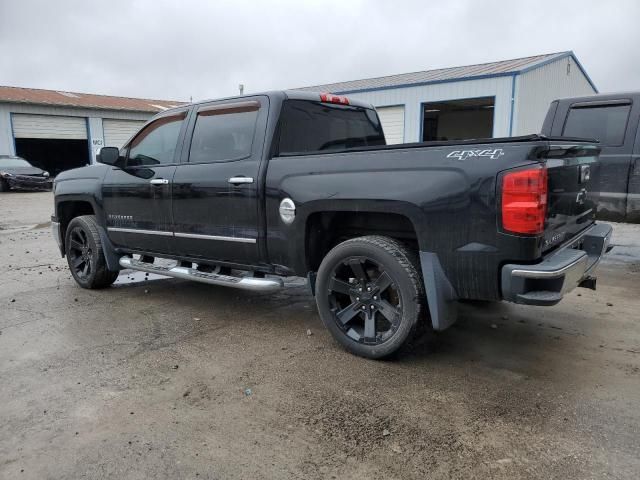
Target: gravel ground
pixel 172 379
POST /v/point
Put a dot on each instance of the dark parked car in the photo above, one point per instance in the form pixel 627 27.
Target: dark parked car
pixel 17 173
pixel 242 191
pixel 613 119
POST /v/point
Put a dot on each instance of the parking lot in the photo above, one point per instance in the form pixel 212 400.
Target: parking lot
pixel 171 379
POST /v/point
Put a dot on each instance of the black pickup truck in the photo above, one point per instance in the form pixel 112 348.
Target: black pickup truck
pixel 614 120
pixel 243 191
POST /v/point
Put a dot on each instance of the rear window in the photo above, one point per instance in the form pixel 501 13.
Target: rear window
pixel 604 123
pixel 308 127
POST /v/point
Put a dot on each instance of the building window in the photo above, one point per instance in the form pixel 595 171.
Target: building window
pixel 458 119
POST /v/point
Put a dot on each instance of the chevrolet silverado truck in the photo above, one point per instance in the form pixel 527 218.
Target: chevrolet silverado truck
pixel 244 191
pixel 614 120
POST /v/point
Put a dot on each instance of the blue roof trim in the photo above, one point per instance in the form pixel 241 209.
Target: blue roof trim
pixel 432 82
pixel 584 72
pixel 480 77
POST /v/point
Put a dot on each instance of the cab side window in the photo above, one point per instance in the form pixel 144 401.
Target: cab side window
pixel 156 143
pixel 224 132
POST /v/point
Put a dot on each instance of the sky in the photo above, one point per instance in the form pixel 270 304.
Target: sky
pixel 188 49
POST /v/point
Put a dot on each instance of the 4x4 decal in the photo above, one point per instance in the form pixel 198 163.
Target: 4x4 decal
pixel 493 153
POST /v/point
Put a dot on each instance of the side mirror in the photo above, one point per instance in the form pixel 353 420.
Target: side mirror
pixel 108 155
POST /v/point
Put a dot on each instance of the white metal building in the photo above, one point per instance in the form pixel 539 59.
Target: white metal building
pixel 57 130
pixel 498 99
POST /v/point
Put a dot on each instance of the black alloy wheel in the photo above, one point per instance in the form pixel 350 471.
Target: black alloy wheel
pixel 85 254
pixel 364 300
pixel 80 253
pixel 370 295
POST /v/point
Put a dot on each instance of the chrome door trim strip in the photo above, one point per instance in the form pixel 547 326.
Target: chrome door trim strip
pixel 215 237
pixel 144 232
pixel 182 235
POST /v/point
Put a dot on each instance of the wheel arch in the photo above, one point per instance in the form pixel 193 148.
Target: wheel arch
pixel 323 228
pixel 70 207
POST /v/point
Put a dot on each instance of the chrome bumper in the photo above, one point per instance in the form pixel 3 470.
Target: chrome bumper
pixel 545 283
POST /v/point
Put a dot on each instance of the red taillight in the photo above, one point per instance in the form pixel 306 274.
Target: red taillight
pixel 524 200
pixel 331 98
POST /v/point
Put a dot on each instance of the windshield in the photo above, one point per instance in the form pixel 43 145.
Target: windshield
pixel 9 162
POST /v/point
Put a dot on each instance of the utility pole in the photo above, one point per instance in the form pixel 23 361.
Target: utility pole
pixel 241 88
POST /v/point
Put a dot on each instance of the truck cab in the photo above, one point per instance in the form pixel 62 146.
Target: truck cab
pixel 613 120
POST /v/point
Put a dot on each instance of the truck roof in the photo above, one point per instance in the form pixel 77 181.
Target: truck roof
pixel 278 95
pixel 596 97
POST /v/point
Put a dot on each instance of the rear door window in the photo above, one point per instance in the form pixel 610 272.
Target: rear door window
pixel 307 127
pixel 605 123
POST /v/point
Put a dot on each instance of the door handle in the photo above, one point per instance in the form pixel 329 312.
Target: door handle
pixel 159 181
pixel 240 180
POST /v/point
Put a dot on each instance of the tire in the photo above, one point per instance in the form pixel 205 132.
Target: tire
pixel 85 255
pixel 394 307
pixel 4 186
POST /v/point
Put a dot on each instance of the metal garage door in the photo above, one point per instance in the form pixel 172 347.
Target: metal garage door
pixel 49 126
pixel 117 132
pixel 392 119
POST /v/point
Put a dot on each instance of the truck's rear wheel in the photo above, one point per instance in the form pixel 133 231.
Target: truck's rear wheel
pixel 85 256
pixel 4 186
pixel 370 295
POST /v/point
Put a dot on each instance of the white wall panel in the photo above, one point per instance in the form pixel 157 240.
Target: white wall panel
pixel 6 135
pixel 536 89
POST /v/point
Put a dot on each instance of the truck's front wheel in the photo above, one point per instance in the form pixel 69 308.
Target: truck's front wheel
pixel 370 295
pixel 85 256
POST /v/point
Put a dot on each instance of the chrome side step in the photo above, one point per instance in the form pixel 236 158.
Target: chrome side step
pixel 246 283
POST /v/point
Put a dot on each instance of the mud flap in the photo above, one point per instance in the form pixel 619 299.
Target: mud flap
pixel 441 296
pixel 110 255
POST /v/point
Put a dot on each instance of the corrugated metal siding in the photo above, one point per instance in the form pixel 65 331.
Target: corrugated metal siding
pixel 6 109
pixel 49 126
pixel 536 89
pixel 413 97
pixel 392 120
pixel 74 112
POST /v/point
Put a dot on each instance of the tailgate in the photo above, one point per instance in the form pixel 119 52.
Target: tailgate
pixel 571 205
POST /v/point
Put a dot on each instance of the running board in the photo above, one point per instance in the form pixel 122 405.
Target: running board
pixel 245 283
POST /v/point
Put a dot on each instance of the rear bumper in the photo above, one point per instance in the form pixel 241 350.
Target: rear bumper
pixel 545 283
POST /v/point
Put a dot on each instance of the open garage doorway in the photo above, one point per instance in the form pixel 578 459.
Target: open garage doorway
pixel 53 143
pixel 53 155
pixel 458 119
